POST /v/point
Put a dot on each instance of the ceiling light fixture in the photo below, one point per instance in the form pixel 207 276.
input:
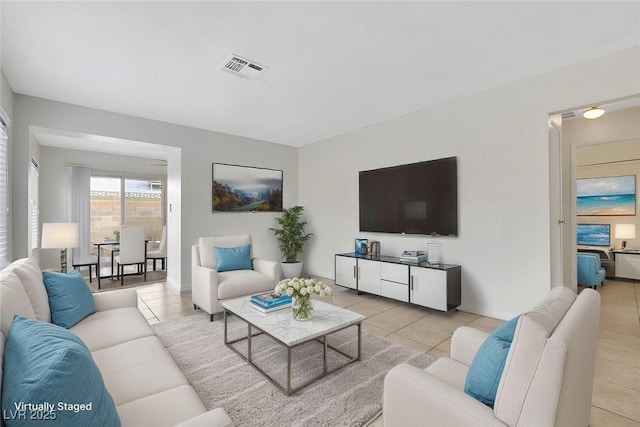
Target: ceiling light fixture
pixel 593 113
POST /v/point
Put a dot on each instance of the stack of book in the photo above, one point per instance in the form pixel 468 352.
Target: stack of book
pixel 413 256
pixel 267 303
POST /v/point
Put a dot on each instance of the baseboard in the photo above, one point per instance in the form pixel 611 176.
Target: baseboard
pixel 175 286
pixel 487 313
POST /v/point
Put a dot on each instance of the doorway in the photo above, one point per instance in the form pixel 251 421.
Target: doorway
pixel 95 151
pixel 620 125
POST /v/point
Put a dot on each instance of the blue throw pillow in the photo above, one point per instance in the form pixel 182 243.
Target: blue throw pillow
pixel 236 258
pixel 486 368
pixel 50 371
pixel 70 298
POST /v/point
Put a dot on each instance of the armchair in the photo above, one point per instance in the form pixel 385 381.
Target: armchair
pixel 210 287
pixel 547 378
pixel 590 271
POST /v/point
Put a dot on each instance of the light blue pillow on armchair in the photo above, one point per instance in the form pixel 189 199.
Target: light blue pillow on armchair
pixel 70 299
pixel 234 258
pixel 44 363
pixel 486 368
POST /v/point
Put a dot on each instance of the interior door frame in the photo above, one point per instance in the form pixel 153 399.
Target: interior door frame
pixel 560 222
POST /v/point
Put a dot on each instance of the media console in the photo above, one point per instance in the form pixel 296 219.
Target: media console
pixel 436 286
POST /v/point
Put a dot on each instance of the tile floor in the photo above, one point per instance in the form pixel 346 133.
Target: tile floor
pixel 616 389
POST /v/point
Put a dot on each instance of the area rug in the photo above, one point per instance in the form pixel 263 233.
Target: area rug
pixel 351 396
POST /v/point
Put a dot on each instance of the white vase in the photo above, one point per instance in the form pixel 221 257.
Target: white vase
pixel 291 269
pixel 433 253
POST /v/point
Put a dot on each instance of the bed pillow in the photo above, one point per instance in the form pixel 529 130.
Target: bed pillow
pixel 47 364
pixel 486 368
pixel 70 299
pixel 233 258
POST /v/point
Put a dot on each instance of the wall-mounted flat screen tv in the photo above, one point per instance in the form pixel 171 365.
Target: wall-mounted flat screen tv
pixel 594 234
pixel 417 198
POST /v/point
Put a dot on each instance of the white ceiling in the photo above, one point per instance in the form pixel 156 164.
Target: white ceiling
pixel 333 67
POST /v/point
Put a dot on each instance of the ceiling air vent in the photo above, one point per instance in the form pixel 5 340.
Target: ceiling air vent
pixel 569 115
pixel 242 67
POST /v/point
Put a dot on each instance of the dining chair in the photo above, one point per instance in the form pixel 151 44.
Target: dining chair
pixel 86 261
pixel 161 252
pixel 133 250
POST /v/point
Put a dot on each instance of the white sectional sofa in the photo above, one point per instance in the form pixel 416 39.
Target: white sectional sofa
pixel 146 385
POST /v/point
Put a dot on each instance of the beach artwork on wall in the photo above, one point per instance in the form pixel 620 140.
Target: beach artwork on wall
pixel 246 189
pixel 615 195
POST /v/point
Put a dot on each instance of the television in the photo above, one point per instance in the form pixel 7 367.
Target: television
pixel 417 198
pixel 594 234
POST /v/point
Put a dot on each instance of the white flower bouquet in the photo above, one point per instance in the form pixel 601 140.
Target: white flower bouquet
pixel 301 290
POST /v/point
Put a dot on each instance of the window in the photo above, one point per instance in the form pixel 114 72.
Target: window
pixel 143 205
pixel 104 207
pixel 117 200
pixel 34 205
pixel 4 193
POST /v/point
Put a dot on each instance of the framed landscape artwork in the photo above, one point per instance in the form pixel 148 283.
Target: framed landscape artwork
pixel 246 189
pixel 607 196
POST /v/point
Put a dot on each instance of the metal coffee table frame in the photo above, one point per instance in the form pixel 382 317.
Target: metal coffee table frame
pixel 322 339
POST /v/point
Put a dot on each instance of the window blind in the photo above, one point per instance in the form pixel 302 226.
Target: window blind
pixel 34 206
pixel 4 192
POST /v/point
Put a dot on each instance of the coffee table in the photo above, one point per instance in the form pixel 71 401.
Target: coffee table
pixel 279 325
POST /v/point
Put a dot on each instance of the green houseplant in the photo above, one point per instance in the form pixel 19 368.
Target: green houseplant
pixel 291 238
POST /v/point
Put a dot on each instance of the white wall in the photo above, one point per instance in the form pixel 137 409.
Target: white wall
pixel 501 140
pixel 199 149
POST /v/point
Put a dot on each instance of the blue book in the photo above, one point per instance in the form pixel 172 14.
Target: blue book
pixel 270 300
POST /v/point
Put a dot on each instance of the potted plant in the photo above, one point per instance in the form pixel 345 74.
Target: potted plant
pixel 291 239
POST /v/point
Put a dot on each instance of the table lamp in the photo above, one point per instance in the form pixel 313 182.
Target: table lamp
pixel 60 235
pixel 625 231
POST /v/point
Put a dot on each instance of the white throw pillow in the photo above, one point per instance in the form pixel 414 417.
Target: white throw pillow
pixel 13 300
pixel 31 278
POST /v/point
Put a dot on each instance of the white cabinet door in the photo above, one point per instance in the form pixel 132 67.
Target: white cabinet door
pixel 628 266
pixel 346 272
pixel 369 276
pixel 428 288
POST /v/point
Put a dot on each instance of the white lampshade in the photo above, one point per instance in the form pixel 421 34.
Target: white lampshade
pixel 58 235
pixel 625 231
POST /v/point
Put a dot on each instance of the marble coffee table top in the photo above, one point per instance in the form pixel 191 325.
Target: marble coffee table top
pixel 327 318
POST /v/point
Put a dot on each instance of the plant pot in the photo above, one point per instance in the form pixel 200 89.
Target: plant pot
pixel 291 269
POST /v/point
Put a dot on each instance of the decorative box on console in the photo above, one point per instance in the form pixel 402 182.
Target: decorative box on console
pixel 362 246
